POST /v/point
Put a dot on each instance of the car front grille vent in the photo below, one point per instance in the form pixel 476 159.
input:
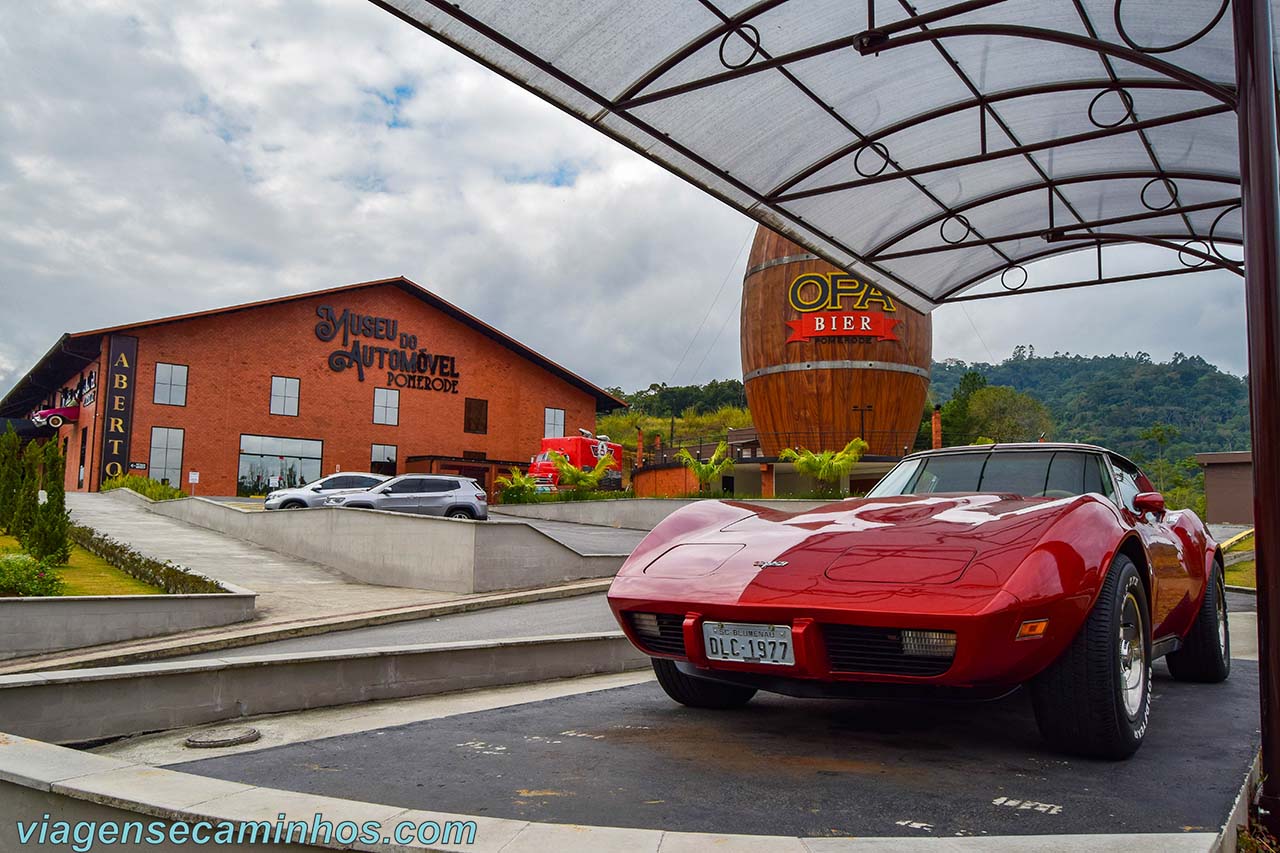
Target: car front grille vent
pixel 660 633
pixel 888 651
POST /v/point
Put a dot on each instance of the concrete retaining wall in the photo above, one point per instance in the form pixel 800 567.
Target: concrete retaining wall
pixel 634 514
pixel 31 626
pixel 76 706
pixel 397 549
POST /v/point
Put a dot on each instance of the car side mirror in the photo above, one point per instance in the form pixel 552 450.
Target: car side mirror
pixel 1152 502
pixel 316 488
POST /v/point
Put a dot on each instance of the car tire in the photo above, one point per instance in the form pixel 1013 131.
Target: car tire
pixel 292 505
pixel 460 513
pixel 56 421
pixel 698 692
pixel 1095 699
pixel 1205 655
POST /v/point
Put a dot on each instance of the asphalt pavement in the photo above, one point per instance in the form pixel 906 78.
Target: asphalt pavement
pixel 631 757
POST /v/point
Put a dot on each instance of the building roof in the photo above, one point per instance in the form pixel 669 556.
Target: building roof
pixel 76 349
pixel 926 147
pixel 1236 457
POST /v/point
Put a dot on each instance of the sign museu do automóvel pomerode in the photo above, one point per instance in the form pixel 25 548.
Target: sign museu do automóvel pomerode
pixel 405 364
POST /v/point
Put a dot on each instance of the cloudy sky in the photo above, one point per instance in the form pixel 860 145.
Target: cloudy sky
pixel 158 158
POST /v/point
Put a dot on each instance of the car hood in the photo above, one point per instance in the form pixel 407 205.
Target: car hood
pixel 911 540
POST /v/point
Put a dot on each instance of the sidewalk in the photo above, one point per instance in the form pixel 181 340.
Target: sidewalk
pixel 288 588
pixel 296 598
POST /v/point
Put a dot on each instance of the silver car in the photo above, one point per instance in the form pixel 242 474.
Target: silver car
pixel 315 493
pixel 424 494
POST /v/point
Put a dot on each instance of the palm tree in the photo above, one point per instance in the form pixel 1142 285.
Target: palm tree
pixel 829 466
pixel 705 472
pixel 575 479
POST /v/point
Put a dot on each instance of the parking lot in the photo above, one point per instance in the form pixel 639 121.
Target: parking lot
pixel 630 757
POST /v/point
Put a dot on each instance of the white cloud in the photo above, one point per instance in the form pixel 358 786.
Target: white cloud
pixel 162 158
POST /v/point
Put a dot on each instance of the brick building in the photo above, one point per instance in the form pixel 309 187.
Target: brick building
pixel 381 376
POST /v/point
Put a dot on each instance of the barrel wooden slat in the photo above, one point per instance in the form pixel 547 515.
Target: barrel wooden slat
pixel 812 407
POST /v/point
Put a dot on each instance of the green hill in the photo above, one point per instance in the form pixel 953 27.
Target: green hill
pixel 1109 400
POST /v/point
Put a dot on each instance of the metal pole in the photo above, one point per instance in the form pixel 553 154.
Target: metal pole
pixel 1260 189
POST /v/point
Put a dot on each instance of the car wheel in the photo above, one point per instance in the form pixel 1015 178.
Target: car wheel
pixel 459 513
pixel 1095 699
pixel 292 505
pixel 56 421
pixel 1205 655
pixel 698 692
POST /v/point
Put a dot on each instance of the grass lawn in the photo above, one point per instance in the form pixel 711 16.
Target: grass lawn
pixel 1242 574
pixel 88 574
pixel 1245 544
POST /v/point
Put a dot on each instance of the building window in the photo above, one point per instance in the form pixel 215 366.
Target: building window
pixel 284 396
pixel 476 419
pixel 553 423
pixel 386 406
pixel 166 455
pixel 383 460
pixel 171 384
pixel 269 462
pixel 80 473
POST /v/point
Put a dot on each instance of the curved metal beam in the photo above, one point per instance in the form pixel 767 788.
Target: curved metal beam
pixel 1055 234
pixel 1086 242
pixel 871 43
pixel 973 103
pixel 1014 151
pixel 655 73
pixel 1042 186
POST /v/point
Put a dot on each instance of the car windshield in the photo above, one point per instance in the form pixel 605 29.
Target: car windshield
pixel 1039 473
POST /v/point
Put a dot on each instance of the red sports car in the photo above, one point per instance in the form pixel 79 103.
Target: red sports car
pixel 964 573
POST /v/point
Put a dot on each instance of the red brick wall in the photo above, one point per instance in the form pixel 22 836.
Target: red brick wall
pixel 231 358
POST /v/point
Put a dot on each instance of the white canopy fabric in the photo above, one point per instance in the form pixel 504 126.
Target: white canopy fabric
pixel 926 146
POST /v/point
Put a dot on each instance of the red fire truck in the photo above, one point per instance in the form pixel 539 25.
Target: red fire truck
pixel 582 450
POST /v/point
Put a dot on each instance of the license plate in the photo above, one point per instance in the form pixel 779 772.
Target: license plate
pixel 748 643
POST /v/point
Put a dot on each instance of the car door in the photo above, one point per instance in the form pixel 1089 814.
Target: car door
pixel 1169 574
pixel 403 495
pixel 436 496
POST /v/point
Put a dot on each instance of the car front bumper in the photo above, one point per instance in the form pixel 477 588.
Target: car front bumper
pixel 988 659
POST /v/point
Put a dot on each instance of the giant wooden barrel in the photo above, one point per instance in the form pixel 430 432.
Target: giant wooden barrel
pixel 820 346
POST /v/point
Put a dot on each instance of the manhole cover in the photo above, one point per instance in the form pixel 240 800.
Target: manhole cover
pixel 222 737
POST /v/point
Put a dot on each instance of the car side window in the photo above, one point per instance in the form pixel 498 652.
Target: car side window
pixel 411 486
pixel 1127 481
pixel 337 483
pixel 363 482
pixel 438 486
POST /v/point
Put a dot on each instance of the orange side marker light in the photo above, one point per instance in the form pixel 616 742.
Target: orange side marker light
pixel 1033 629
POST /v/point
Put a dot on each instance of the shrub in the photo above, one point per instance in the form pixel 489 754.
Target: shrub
pixel 47 539
pixel 169 576
pixel 519 488
pixel 144 486
pixel 10 475
pixel 24 509
pixel 24 576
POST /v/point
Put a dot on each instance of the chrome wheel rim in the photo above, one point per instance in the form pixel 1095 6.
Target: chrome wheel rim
pixel 1133 657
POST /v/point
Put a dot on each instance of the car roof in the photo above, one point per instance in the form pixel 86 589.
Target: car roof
pixel 356 474
pixel 1022 446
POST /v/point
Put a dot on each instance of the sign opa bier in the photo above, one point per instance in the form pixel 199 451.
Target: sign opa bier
pixel 824 300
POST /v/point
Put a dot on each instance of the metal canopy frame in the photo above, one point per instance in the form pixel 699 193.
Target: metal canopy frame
pixel 702 86
pixel 623 114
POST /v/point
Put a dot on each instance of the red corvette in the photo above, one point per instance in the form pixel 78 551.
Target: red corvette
pixel 964 573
